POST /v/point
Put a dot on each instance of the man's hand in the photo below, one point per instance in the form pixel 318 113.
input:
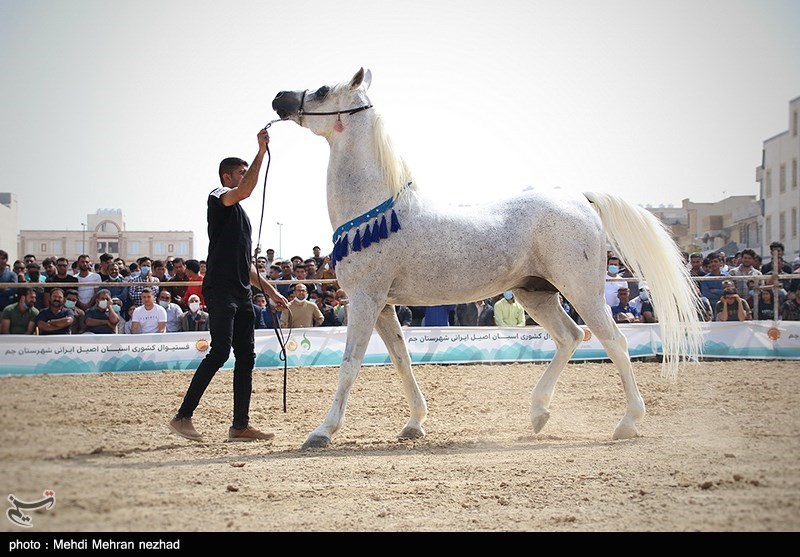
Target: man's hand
pixel 263 140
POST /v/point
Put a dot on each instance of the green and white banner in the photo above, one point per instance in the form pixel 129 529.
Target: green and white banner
pixel 324 346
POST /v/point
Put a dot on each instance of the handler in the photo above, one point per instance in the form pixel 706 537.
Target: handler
pixel 226 290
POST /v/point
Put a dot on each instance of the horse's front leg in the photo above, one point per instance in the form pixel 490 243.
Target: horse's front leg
pixel 360 323
pixel 391 333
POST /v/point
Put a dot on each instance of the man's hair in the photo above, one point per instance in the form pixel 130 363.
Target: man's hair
pixel 70 291
pixel 258 295
pixel 47 261
pixel 103 291
pixel 22 291
pixel 178 260
pixel 29 255
pixel 227 166
pixel 3 254
pixel 106 257
pixel 773 245
pixel 60 259
pixel 54 290
pixel 147 289
pixel 158 263
pixel 276 267
pixel 729 291
pixel 696 255
pixel 749 252
pixel 193 265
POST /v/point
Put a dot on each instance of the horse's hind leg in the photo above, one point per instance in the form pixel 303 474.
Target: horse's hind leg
pixel 389 329
pixel 599 321
pixel 545 309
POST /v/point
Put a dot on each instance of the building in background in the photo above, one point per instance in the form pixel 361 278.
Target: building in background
pixel 728 225
pixel 105 232
pixel 778 187
pixel 8 225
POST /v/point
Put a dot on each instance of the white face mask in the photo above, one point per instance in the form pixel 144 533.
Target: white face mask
pixel 163 304
pixel 194 306
pixel 102 304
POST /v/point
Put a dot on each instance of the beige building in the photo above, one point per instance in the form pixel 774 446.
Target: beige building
pixel 779 189
pixel 731 224
pixel 105 232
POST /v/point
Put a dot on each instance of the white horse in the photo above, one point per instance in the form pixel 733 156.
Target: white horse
pixel 384 227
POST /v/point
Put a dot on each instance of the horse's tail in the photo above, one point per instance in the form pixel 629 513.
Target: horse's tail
pixel 644 244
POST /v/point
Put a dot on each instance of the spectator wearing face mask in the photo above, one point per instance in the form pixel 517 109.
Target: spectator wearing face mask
pixel 71 302
pixel 194 318
pixel 101 319
pixel 644 305
pixel 611 287
pixel 508 312
pixel 174 311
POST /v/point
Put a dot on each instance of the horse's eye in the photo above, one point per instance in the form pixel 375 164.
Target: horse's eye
pixel 323 91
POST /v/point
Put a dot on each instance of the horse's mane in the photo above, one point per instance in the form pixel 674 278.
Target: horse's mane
pixel 395 170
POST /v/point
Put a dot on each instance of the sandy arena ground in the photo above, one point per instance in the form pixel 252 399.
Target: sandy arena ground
pixel 718 451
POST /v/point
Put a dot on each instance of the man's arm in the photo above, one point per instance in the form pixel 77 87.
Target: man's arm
pixel 269 290
pixel 248 184
pixel 5 326
pixel 162 326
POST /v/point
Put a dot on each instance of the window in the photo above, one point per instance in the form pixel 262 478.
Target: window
pixel 79 247
pixel 794 174
pixel 113 247
pixel 171 248
pixel 768 228
pixel 782 179
pixel 43 247
pixel 134 248
pixel 794 222
pixel 56 247
pixel 768 186
pixel 794 123
pixel 159 248
pixel 102 227
pixel 101 247
pixel 782 226
pixel 183 249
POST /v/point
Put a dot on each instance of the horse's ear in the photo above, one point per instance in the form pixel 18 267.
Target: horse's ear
pixel 361 77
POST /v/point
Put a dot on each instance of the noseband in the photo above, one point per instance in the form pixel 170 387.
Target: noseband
pixel 350 111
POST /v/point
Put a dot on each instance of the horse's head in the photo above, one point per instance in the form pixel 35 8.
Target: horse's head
pixel 321 109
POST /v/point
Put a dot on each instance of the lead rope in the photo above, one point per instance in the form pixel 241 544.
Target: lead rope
pixel 276 326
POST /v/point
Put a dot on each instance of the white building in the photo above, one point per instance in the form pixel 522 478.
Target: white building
pixel 8 225
pixel 779 189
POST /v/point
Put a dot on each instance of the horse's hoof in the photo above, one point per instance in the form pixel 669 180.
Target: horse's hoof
pixel 411 433
pixel 625 431
pixel 539 421
pixel 316 442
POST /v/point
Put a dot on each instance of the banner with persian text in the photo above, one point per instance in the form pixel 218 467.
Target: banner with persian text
pixel 324 346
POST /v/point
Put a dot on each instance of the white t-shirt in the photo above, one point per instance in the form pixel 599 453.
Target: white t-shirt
pixel 85 293
pixel 148 320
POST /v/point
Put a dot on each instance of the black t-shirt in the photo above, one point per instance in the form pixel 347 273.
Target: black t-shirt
pixel 229 248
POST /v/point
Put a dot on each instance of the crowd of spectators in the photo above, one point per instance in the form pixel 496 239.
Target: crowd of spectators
pixel 165 295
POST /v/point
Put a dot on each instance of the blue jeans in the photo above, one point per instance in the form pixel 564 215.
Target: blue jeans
pixel 230 321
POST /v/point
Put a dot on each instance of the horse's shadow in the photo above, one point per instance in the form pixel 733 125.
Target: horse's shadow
pixel 106 458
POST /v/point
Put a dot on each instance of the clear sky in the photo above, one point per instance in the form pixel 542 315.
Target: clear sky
pixel 131 104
